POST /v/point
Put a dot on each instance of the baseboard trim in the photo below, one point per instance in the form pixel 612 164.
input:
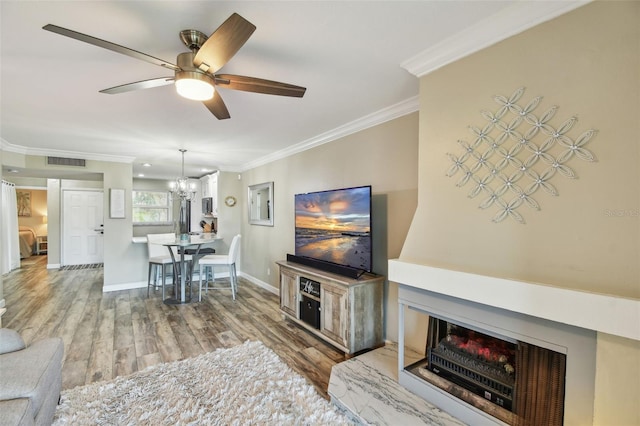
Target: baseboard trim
pixel 142 284
pixel 123 286
pixel 260 283
pixel 53 266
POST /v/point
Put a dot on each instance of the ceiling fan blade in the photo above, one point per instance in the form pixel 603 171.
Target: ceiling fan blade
pixel 217 107
pixel 223 43
pixel 111 46
pixel 139 85
pixel 258 85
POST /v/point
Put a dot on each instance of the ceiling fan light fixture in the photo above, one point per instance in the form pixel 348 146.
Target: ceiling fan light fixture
pixel 193 85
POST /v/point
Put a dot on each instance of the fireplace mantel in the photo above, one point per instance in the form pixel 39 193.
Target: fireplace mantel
pixel 607 314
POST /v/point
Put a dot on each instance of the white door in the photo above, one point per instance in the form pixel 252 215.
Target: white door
pixel 82 223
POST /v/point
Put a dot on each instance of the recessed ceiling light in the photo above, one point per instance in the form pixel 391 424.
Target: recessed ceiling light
pixel 140 174
pixel 205 170
pixel 146 164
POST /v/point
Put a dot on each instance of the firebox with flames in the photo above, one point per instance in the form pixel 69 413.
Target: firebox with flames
pixel 482 364
pixel 494 374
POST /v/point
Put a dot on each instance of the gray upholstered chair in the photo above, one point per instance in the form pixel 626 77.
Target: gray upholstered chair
pixel 30 379
pixel 208 263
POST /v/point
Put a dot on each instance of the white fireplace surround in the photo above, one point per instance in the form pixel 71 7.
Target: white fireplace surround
pixel 618 316
pixel 559 319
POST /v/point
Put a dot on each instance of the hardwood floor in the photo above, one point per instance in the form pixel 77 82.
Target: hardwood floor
pixel 113 334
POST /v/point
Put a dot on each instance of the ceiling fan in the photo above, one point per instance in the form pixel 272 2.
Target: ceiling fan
pixel 195 76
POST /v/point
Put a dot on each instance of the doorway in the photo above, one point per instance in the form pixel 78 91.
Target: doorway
pixel 82 227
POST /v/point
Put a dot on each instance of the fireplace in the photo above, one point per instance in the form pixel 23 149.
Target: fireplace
pixel 542 369
pixel 515 382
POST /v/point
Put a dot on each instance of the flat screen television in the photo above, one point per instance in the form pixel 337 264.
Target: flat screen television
pixel 335 226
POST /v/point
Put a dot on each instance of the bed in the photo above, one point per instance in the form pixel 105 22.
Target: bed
pixel 27 241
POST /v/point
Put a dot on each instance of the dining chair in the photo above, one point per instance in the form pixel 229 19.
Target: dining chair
pixel 159 258
pixel 209 262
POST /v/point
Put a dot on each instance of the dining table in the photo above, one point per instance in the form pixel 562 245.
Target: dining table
pixel 180 277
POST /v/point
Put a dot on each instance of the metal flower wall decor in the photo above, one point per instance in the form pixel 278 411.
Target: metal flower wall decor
pixel 515 154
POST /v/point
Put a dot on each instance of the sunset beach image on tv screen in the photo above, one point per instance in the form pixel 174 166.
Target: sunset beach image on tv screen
pixel 335 226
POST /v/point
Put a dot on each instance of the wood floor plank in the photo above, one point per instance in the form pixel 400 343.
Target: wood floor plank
pixel 154 309
pixel 228 339
pixel 117 333
pixel 144 336
pixel 37 315
pixel 123 327
pixel 105 325
pixel 123 306
pixel 73 316
pixel 187 342
pixel 74 373
pixel 206 337
pixel 100 362
pixel 58 313
pixel 138 306
pixel 81 343
pixel 124 361
pixel 148 360
pixel 322 363
pixel 192 316
pixel 167 344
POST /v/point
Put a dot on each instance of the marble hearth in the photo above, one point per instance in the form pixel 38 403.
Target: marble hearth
pixel 366 387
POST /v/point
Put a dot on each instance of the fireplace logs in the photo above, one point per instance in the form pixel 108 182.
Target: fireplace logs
pixel 478 362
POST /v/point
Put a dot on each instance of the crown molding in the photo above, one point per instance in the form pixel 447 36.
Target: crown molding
pixel 400 109
pixel 508 22
pixel 18 149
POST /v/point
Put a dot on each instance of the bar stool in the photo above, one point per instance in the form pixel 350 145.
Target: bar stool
pixel 159 258
pixel 207 263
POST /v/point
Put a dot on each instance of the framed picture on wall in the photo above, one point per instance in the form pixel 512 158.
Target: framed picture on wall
pixel 24 203
pixel 116 203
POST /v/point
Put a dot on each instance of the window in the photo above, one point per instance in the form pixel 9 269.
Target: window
pixel 151 207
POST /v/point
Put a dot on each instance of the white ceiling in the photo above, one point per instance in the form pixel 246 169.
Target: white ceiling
pixel 348 54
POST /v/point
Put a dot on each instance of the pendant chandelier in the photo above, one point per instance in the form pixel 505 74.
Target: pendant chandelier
pixel 181 187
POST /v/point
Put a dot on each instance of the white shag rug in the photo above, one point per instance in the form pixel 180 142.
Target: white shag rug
pixel 246 384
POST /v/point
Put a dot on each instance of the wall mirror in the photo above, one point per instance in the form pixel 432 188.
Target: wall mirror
pixel 261 204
